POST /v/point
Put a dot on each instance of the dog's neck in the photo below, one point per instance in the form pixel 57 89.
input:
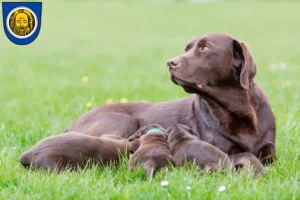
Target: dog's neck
pixel 232 107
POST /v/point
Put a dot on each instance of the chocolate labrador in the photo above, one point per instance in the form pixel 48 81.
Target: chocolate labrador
pixel 227 108
pixel 74 150
pixel 153 152
pixel 187 147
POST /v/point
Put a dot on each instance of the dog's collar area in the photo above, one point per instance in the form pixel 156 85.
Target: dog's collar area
pixel 154 130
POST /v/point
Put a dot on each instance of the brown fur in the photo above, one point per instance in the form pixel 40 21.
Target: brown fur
pixel 247 159
pixel 74 150
pixel 228 92
pixel 186 147
pixel 227 110
pixel 153 153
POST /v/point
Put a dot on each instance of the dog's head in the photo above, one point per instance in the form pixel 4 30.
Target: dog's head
pixel 213 60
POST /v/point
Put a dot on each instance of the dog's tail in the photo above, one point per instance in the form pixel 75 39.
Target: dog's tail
pixel 150 167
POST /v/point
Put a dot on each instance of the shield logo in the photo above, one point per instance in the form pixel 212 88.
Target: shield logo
pixel 22 21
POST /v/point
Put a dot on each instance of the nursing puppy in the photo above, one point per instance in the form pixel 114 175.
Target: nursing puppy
pixel 153 152
pixel 247 159
pixel 74 150
pixel 187 147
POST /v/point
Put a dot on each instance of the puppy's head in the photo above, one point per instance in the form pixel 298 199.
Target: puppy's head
pixel 148 134
pixel 154 136
pixel 180 132
pixel 151 128
pixel 213 60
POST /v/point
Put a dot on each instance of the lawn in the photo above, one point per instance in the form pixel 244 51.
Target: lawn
pixel 122 47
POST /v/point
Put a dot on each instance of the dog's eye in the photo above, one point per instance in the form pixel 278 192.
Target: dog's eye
pixel 204 48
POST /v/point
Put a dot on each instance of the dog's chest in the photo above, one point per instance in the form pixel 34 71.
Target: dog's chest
pixel 221 142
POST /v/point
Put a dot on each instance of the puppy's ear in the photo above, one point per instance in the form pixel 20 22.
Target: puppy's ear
pixel 136 135
pixel 165 134
pixel 134 145
pixel 243 64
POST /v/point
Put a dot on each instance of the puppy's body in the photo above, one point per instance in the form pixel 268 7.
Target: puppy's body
pixel 74 150
pixel 186 147
pixel 153 152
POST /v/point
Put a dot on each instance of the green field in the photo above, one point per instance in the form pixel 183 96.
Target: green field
pixel 122 47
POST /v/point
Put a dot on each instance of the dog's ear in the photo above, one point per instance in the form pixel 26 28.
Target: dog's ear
pixel 243 64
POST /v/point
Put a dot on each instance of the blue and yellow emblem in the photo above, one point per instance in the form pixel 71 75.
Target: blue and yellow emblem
pixel 22 21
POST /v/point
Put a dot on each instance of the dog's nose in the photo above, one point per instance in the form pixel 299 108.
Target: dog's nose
pixel 172 63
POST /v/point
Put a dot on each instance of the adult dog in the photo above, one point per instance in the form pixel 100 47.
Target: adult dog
pixel 227 110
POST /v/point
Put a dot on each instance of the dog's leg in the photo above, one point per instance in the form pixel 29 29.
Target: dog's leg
pixel 267 154
pixel 150 168
pixel 247 159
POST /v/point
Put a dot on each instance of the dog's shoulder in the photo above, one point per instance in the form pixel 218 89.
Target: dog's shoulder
pixel 258 96
pixel 262 104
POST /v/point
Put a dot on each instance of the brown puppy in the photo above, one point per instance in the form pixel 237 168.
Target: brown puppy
pixel 153 152
pixel 74 150
pixel 187 147
pixel 247 159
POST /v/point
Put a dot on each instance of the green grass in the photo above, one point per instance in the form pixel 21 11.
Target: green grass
pixel 123 48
